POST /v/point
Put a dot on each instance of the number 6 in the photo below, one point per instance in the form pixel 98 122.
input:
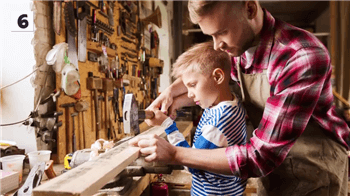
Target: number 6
pixel 22 23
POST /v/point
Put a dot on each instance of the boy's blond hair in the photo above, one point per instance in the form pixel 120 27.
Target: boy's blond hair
pixel 201 58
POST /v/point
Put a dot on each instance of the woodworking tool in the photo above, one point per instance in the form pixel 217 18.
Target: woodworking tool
pixel 99 25
pixel 74 142
pixel 111 132
pixel 82 22
pixel 47 135
pixel 49 171
pixel 79 157
pixel 53 114
pixel 131 50
pixel 53 96
pixel 131 115
pixel 155 18
pixel 110 13
pixel 115 102
pixel 66 161
pixel 66 106
pixel 71 33
pixel 92 56
pixel 81 107
pixel 94 30
pixel 103 63
pixel 57 17
pixel 107 87
pixel 70 18
pixel 94 83
pixel 33 180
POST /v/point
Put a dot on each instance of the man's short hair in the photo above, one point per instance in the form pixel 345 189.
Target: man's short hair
pixel 202 58
pixel 199 8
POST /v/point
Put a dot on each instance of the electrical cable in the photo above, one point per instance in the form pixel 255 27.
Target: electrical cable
pixel 20 79
pixel 15 123
pixel 38 101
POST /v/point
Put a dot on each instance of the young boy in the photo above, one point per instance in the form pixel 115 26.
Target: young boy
pixel 206 74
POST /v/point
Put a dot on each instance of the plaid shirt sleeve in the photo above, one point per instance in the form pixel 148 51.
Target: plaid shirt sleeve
pixel 298 81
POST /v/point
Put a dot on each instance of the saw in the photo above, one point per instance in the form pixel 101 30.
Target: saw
pixel 57 17
pixel 69 18
pixel 71 33
pixel 82 22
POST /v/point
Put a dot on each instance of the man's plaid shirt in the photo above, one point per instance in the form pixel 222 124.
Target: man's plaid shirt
pixel 299 71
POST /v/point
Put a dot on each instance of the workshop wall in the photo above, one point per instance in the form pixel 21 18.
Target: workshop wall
pixel 166 49
pixel 44 80
pixel 17 61
pixel 137 72
pixel 43 83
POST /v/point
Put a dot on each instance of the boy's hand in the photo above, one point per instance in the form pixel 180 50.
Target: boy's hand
pixel 155 148
pixel 159 118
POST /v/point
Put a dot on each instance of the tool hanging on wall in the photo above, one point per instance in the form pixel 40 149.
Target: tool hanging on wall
pixel 82 24
pixel 155 18
pixel 51 135
pixel 66 106
pixel 107 86
pixel 70 80
pixel 71 33
pixel 110 13
pixel 115 102
pixel 99 25
pixel 95 84
pixel 57 17
pixel 81 107
pixel 94 30
pixel 112 133
pixel 103 64
pixel 74 142
pixel 92 56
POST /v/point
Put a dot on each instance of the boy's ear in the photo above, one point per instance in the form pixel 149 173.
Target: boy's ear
pixel 218 75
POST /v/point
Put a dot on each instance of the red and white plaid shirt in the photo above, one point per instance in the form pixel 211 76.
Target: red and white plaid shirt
pixel 299 72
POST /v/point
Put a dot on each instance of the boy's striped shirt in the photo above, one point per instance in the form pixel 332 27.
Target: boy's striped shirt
pixel 220 126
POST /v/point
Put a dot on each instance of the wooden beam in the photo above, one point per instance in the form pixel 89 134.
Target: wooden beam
pixel 340 98
pixel 89 177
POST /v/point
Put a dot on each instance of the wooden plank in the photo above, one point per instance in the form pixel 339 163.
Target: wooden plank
pixel 342 99
pixel 183 125
pixel 89 177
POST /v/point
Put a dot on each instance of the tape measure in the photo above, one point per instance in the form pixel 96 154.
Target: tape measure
pixel 67 160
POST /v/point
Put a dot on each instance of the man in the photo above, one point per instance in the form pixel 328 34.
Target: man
pixel 298 145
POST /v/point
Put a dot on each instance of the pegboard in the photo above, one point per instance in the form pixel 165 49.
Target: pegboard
pixel 128 55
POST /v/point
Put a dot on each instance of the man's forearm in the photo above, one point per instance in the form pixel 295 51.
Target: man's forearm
pixel 183 101
pixel 209 160
pixel 177 88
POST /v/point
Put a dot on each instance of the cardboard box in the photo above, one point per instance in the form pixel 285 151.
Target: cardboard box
pixel 8 181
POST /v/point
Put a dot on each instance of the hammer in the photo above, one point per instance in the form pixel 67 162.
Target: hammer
pixel 94 84
pixel 131 115
pixel 66 106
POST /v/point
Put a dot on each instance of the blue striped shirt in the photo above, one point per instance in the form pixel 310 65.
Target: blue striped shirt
pixel 220 126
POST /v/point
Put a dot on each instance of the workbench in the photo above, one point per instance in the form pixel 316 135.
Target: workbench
pixel 90 177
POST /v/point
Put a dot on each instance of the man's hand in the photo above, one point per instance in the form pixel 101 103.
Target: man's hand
pixel 163 101
pixel 155 148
